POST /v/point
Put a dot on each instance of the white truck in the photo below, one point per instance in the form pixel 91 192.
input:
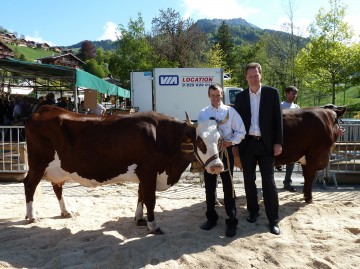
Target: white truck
pixel 172 91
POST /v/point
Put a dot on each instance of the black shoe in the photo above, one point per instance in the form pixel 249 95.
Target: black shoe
pixel 208 225
pixel 230 231
pixel 274 229
pixel 231 227
pixel 289 187
pixel 252 217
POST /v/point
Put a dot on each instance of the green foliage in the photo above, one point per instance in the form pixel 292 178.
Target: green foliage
pixel 214 57
pixel 94 68
pixel 224 40
pixel 134 52
pixel 324 63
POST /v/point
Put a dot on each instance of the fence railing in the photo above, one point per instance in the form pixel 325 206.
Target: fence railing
pixel 345 158
pixel 13 150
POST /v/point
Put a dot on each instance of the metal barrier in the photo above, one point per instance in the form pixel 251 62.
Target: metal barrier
pixel 345 158
pixel 13 152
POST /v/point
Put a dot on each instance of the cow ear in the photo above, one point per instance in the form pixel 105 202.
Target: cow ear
pixel 340 110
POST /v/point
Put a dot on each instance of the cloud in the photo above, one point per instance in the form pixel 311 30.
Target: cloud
pixel 110 32
pixel 215 9
pixel 38 39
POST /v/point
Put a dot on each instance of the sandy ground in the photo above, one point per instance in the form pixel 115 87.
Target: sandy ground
pixel 324 234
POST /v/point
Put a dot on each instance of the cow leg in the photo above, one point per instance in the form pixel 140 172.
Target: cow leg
pixel 139 213
pixel 309 174
pixel 148 194
pixel 57 187
pixel 31 181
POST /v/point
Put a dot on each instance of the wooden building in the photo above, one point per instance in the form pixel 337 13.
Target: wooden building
pixel 68 60
pixel 5 51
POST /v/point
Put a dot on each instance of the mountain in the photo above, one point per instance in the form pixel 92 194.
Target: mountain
pixel 242 32
pixel 207 25
pixel 105 44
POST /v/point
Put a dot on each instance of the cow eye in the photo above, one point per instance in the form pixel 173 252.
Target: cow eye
pixel 201 145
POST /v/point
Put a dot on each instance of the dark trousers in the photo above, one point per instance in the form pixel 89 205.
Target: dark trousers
pixel 288 172
pixel 229 192
pixel 255 153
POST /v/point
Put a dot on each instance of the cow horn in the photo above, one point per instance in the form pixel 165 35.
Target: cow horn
pixel 188 121
pixel 220 122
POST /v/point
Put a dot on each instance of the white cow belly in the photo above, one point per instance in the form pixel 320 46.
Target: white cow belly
pixel 54 173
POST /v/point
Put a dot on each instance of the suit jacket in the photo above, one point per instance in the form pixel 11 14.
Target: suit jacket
pixel 270 116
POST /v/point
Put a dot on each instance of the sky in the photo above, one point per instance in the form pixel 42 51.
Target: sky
pixel 69 22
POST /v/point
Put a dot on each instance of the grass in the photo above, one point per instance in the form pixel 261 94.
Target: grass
pixel 350 98
pixel 31 54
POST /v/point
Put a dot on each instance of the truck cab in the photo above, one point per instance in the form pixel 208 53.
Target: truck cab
pixel 230 94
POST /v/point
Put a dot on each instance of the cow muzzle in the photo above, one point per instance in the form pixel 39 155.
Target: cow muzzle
pixel 214 165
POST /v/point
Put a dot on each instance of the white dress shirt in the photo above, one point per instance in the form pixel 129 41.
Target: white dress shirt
pixel 255 106
pixel 233 130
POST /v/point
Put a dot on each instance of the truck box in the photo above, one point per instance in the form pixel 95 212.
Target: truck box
pixel 172 91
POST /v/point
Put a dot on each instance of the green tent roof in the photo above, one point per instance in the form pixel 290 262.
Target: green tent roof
pixel 89 81
pixel 79 77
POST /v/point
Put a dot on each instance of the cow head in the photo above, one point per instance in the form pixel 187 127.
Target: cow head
pixel 207 143
pixel 338 112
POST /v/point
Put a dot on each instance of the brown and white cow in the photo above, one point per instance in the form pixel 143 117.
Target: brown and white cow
pixel 310 133
pixel 149 148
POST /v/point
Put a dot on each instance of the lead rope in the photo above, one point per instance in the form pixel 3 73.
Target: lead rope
pixel 221 153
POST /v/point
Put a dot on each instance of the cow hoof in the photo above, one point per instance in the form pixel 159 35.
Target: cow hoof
pixel 141 222
pixel 32 220
pixel 67 215
pixel 308 200
pixel 158 231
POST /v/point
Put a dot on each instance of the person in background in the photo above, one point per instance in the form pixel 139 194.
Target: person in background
pixel 50 99
pixel 70 104
pixel 17 112
pixel 291 93
pixel 232 132
pixel 100 110
pixel 259 107
pixel 39 103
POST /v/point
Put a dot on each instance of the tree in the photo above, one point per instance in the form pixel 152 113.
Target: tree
pixel 177 41
pixel 223 38
pixel 325 59
pixel 87 51
pixel 214 57
pixel 133 53
pixel 94 68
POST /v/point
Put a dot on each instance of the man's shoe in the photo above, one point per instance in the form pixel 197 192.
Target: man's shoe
pixel 274 229
pixel 230 230
pixel 252 217
pixel 289 187
pixel 208 225
pixel 231 227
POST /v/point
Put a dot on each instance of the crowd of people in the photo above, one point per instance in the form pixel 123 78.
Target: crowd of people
pixel 17 108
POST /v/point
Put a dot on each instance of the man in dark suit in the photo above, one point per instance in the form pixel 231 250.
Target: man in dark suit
pixel 259 107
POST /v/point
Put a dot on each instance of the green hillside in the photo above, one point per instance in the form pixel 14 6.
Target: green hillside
pixel 350 98
pixel 29 53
